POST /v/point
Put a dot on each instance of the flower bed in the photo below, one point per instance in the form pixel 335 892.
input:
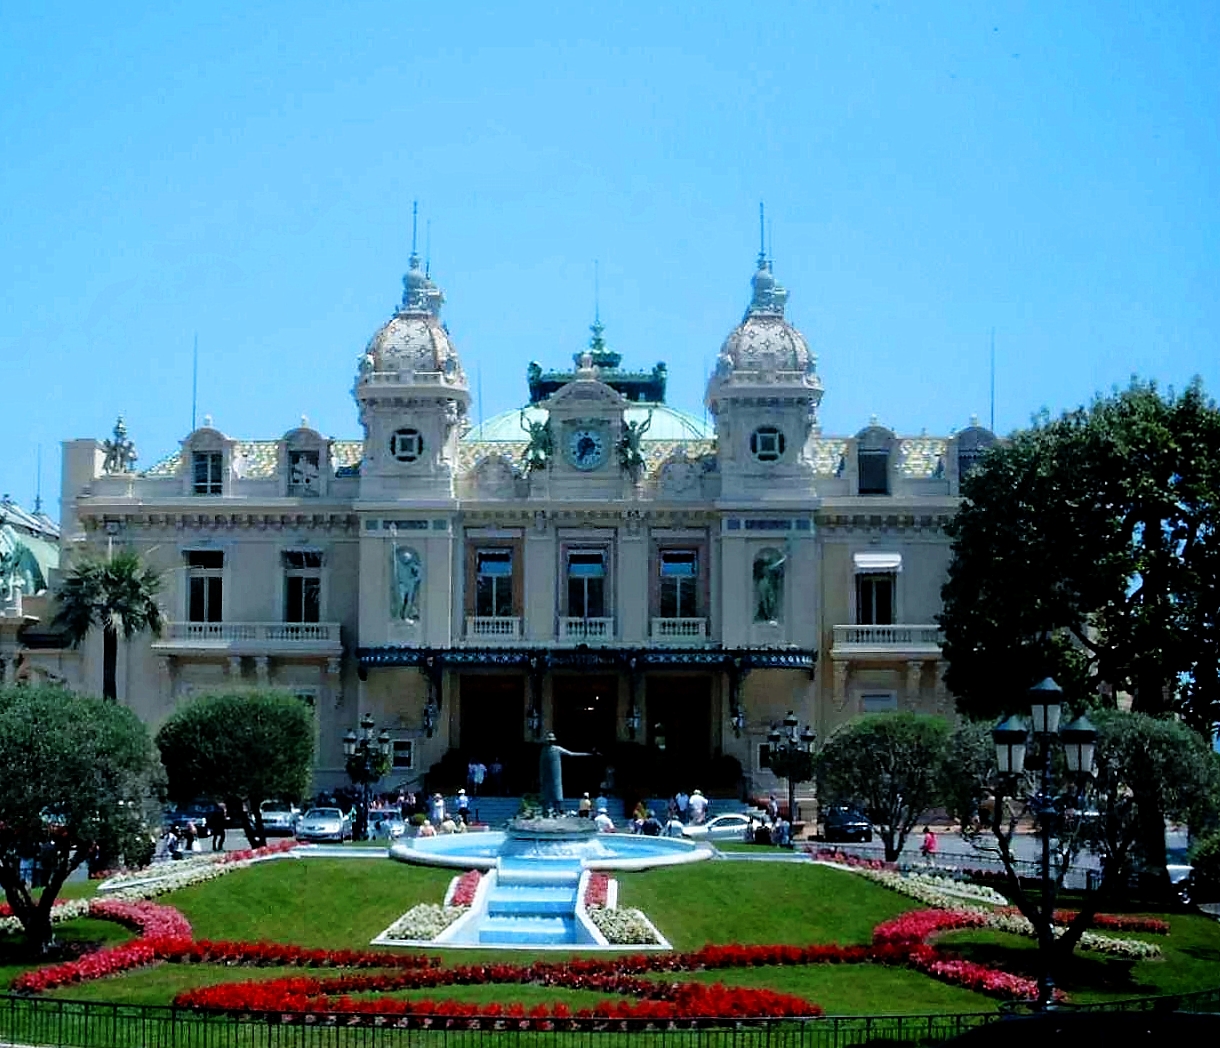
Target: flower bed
pixel 423 923
pixel 625 927
pixel 462 889
pixel 597 891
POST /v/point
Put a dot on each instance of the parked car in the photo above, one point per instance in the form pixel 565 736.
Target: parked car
pixel 324 824
pixel 203 813
pixel 723 828
pixel 841 823
pixel 279 818
pixel 386 824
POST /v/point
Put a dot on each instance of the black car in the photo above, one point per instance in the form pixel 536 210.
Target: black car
pixel 845 824
pixel 206 815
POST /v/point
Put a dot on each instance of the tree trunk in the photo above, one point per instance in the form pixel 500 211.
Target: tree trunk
pixel 110 662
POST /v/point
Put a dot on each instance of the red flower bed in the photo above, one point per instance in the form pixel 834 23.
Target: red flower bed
pixel 845 859
pixel 467 885
pixel 597 891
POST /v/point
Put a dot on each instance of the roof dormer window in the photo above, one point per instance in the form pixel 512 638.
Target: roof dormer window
pixel 207 472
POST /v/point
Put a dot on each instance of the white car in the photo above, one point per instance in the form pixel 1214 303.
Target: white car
pixel 324 824
pixel 723 828
pixel 279 818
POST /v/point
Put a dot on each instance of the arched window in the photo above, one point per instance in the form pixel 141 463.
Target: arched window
pixel 873 460
pixel 972 444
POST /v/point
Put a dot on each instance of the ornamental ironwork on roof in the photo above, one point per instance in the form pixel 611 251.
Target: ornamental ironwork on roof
pixel 638 386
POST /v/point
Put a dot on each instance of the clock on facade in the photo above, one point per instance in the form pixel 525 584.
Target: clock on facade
pixel 587 448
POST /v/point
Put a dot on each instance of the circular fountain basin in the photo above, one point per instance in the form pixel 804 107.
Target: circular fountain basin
pixel 549 844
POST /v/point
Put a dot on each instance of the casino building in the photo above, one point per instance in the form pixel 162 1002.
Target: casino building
pixel 597 563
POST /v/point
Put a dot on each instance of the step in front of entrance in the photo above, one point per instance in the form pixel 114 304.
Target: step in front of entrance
pixel 527 899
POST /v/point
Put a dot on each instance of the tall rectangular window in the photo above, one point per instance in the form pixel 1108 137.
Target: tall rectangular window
pixel 302 585
pixel 304 475
pixel 587 584
pixel 493 584
pixel 679 579
pixel 206 470
pixel 205 571
pixel 874 469
pixel 875 600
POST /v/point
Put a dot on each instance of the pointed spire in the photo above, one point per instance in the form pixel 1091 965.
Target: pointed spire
pixel 762 236
pixel 768 297
pixel 419 294
pixel 414 233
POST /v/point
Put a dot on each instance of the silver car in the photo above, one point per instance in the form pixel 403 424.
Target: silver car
pixel 386 824
pixel 724 828
pixel 324 824
pixel 279 818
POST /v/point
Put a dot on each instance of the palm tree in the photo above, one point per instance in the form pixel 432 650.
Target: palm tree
pixel 115 594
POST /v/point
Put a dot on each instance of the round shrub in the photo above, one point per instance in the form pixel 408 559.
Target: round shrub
pixel 1205 880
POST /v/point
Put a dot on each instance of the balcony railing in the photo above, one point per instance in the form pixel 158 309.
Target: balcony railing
pixel 250 638
pixel 585 631
pixel 679 631
pixel 898 639
pixel 498 628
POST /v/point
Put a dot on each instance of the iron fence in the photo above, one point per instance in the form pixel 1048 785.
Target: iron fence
pixel 55 1023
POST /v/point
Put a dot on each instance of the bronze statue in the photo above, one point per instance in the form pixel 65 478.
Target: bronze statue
pixel 630 456
pixel 541 443
pixel 120 452
pixel 550 774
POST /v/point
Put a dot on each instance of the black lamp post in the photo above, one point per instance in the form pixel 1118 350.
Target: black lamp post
pixel 1011 740
pixel 792 756
pixel 367 759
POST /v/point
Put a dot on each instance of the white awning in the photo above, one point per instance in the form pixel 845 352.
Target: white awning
pixel 878 563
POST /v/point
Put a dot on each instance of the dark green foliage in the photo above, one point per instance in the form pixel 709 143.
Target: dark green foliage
pixel 1205 880
pixel 889 766
pixel 1088 549
pixel 968 771
pixel 118 595
pixel 76 781
pixel 245 747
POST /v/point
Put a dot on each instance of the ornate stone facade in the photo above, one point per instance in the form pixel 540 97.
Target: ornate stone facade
pixel 597 563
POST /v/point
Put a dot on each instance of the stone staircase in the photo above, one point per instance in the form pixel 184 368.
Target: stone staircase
pixel 532 904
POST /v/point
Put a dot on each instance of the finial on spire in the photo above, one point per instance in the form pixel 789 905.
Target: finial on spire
pixel 762 236
pixel 428 248
pixel 414 223
pixel 597 297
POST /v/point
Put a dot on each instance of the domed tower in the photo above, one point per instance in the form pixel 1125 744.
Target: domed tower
pixel 413 398
pixel 764 397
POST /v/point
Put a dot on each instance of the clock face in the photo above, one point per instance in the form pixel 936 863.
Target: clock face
pixel 587 448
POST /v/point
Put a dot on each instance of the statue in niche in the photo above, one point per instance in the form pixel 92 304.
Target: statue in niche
pixel 541 444
pixel 629 453
pixel 768 585
pixel 120 452
pixel 408 578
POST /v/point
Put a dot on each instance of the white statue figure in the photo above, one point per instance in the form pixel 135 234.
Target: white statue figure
pixel 408 578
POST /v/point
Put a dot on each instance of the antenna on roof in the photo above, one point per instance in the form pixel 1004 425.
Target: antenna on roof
pixel 770 244
pixel 762 236
pixel 992 425
pixel 597 294
pixel 38 484
pixel 428 247
pixel 194 381
pixel 479 382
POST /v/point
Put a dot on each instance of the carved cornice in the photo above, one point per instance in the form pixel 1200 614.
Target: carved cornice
pixel 176 520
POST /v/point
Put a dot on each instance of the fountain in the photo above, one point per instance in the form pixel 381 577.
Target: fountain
pixel 536 872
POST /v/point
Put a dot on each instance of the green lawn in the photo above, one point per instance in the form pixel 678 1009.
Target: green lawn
pixel 335 903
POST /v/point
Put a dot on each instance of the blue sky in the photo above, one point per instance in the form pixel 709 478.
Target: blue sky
pixel 931 170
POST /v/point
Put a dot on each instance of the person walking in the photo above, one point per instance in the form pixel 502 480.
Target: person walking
pixel 928 848
pixel 463 807
pixel 216 824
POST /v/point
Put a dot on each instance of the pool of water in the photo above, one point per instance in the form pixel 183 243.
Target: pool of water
pixel 603 851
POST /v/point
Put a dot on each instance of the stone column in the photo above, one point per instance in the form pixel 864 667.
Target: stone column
pixel 839 691
pixel 235 667
pixel 914 669
pixel 262 669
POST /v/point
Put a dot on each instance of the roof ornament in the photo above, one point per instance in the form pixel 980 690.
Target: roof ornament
pixel 419 294
pixel 120 451
pixel 768 298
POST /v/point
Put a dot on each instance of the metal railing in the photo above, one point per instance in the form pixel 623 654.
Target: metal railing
pixel 55 1023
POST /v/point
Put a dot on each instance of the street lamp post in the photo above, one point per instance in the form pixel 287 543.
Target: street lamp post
pixel 1011 740
pixel 792 755
pixel 367 756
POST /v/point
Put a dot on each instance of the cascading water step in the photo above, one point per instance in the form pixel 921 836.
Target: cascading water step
pixel 525 899
pixel 539 873
pixel 534 929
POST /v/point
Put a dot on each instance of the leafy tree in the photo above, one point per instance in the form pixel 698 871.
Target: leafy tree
pixel 77 778
pixel 1146 768
pixel 245 747
pixel 888 765
pixel 967 772
pixel 118 595
pixel 1088 549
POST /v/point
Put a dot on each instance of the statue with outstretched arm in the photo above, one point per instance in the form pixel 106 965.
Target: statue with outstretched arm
pixel 550 774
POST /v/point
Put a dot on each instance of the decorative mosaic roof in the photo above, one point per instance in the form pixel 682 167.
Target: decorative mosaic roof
pixel 921 456
pixel 828 455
